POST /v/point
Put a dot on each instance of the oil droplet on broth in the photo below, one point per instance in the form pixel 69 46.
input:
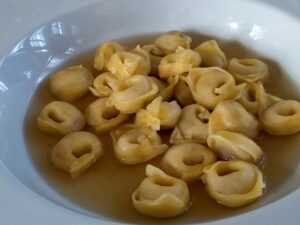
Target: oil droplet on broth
pixel 112 183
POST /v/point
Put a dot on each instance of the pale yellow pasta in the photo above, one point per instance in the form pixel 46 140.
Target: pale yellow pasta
pixel 230 145
pixel 76 152
pixel 60 118
pixel 168 42
pixel 282 118
pixel 102 85
pixel 133 144
pixel 232 116
pixel 160 195
pixel 183 93
pixel 128 63
pixel 154 58
pixel 178 63
pixel 187 160
pixel 211 85
pixel 158 115
pixel 248 70
pixel 250 98
pixel 133 93
pixel 103 118
pixel 71 83
pixel 211 54
pixel 104 53
pixel 192 125
pixel 166 89
pixel 233 183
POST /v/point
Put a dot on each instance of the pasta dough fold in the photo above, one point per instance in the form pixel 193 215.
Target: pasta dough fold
pixel 160 195
pixel 134 144
pixel 103 83
pixel 187 160
pixel 233 183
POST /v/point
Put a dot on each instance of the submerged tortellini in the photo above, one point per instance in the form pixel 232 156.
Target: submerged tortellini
pixel 160 195
pixel 76 152
pixel 192 125
pixel 104 53
pixel 230 145
pixel 282 118
pixel 103 118
pixel 128 63
pixel 231 116
pixel 250 98
pixel 233 183
pixel 132 94
pixel 71 83
pixel 178 63
pixel 187 160
pixel 60 118
pixel 103 83
pixel 158 115
pixel 209 86
pixel 211 54
pixel 248 70
pixel 168 42
pixel 133 144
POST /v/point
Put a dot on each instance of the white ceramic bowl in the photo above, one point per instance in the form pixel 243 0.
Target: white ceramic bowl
pixel 244 28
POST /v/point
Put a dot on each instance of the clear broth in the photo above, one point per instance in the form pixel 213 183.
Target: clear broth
pixel 107 186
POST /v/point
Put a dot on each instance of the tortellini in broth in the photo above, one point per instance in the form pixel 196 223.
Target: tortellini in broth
pixel 160 195
pixel 137 96
pixel 133 144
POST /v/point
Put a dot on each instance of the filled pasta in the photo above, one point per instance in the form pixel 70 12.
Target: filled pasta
pixel 282 118
pixel 187 160
pixel 178 63
pixel 211 54
pixel 60 118
pixel 128 63
pixel 211 85
pixel 192 125
pixel 230 145
pixel 71 83
pixel 76 152
pixel 102 85
pixel 231 116
pixel 102 118
pixel 104 53
pixel 158 115
pixel 133 144
pixel 183 94
pixel 233 183
pixel 167 43
pixel 248 70
pixel 160 195
pixel 132 94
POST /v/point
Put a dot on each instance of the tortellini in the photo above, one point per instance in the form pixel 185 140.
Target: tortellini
pixel 133 144
pixel 211 85
pixel 60 118
pixel 168 43
pixel 128 63
pixel 71 83
pixel 76 152
pixel 154 59
pixel 230 145
pixel 178 63
pixel 248 70
pixel 282 118
pixel 132 94
pixel 103 118
pixel 192 125
pixel 187 160
pixel 233 183
pixel 160 195
pixel 159 115
pixel 231 116
pixel 102 85
pixel 104 53
pixel 166 89
pixel 250 98
pixel 183 94
pixel 211 54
